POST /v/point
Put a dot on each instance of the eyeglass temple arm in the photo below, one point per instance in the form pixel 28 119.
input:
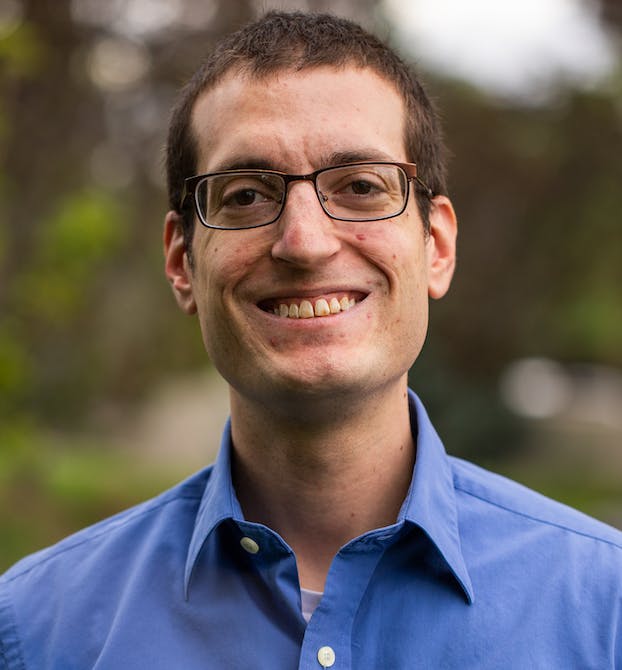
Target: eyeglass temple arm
pixel 411 173
pixel 185 194
pixel 426 189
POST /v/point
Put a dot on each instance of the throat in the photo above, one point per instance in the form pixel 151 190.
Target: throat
pixel 321 485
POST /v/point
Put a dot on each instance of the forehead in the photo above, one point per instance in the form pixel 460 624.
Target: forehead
pixel 298 120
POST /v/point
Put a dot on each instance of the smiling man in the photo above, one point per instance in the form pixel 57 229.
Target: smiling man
pixel 312 319
pixel 308 229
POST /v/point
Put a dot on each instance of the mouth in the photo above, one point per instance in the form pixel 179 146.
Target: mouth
pixel 311 307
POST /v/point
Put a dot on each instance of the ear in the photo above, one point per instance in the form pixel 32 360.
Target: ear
pixel 441 246
pixel 176 264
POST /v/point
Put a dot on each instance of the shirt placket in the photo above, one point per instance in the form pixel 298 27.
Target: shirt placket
pixel 327 641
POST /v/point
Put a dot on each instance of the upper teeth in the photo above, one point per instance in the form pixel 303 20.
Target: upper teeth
pixel 307 310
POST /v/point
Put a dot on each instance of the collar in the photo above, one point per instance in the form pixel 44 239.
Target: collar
pixel 218 504
pixel 430 502
pixel 431 499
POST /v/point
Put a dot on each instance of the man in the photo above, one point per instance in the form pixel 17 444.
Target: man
pixel 308 228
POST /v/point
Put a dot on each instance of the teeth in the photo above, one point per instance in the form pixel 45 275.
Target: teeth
pixel 305 311
pixel 321 308
pixel 308 310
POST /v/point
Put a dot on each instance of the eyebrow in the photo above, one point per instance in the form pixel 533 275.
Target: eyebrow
pixel 246 163
pixel 330 160
pixel 357 156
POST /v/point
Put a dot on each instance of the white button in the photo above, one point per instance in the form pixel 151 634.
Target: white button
pixel 326 656
pixel 249 545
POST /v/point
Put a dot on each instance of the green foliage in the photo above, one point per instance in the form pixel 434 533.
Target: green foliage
pixel 69 250
pixel 15 367
pixel 42 334
pixel 592 322
pixel 22 51
pixel 4 247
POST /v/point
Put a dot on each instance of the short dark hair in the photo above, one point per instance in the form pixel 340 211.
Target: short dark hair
pixel 281 41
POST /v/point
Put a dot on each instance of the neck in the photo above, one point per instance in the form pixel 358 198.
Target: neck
pixel 322 481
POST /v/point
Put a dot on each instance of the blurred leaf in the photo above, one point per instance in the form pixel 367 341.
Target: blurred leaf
pixel 86 230
pixel 15 364
pixel 22 51
pixel 592 323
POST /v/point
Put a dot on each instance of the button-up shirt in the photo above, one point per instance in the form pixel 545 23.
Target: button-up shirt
pixel 476 572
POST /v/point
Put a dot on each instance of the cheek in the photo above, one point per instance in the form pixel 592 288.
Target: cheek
pixel 397 251
pixel 223 264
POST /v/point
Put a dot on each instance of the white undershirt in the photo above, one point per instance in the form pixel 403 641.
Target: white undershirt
pixel 309 601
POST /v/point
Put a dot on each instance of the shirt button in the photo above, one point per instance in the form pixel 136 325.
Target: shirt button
pixel 248 544
pixel 326 656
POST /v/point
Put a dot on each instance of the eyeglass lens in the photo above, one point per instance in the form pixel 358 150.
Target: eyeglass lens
pixel 353 193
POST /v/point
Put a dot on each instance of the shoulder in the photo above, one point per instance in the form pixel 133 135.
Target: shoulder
pixel 485 492
pixel 81 577
pixel 169 507
pixel 544 557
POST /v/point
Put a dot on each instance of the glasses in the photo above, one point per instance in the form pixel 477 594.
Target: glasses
pixel 239 199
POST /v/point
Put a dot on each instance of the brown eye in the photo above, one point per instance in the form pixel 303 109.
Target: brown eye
pixel 242 198
pixel 361 187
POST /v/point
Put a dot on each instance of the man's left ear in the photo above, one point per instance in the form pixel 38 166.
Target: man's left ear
pixel 441 246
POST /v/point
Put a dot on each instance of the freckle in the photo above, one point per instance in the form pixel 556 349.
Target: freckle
pixel 361 237
pixel 352 515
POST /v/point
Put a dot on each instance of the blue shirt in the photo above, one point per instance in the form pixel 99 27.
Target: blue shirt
pixel 477 572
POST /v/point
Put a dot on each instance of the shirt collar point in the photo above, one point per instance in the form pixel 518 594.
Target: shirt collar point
pixel 467 588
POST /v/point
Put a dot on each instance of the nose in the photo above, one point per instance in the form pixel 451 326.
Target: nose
pixel 306 235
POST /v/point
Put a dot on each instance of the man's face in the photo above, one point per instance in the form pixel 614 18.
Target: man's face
pixel 298 123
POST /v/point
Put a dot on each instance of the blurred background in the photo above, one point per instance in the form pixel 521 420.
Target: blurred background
pixel 106 395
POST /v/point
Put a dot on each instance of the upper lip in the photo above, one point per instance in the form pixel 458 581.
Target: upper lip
pixel 310 293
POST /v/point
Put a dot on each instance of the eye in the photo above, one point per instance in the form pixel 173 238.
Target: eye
pixel 359 184
pixel 248 191
pixel 361 187
pixel 242 198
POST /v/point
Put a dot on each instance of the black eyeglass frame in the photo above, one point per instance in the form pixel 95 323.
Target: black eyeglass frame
pixel 191 183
